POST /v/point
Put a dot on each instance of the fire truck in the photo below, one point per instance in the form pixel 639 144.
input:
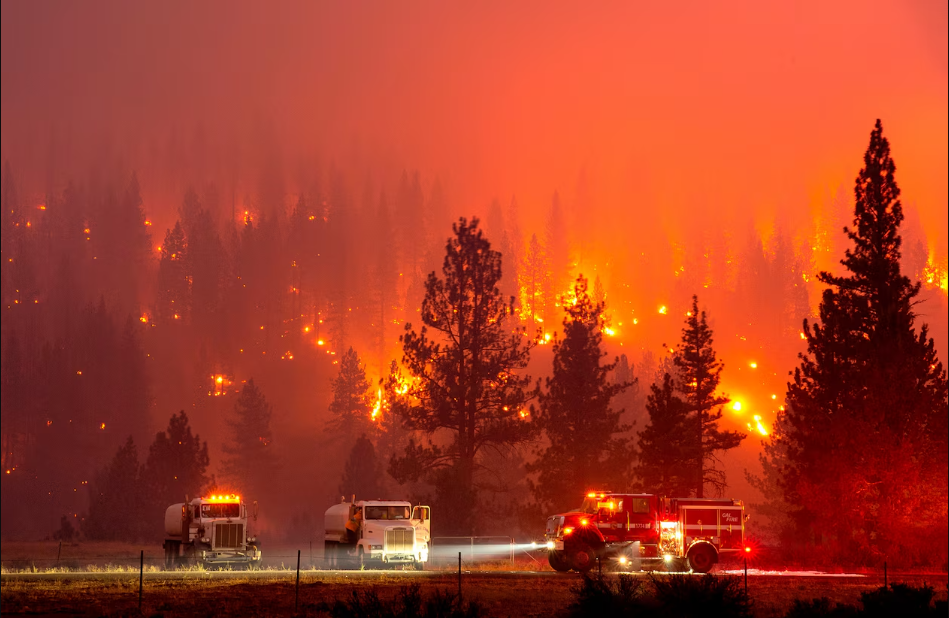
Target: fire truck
pixel 212 532
pixel 624 530
pixel 377 533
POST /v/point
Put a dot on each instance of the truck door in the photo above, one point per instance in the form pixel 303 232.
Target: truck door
pixel 423 515
pixel 642 519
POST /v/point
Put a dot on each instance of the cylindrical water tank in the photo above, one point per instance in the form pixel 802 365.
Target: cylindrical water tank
pixel 335 520
pixel 173 520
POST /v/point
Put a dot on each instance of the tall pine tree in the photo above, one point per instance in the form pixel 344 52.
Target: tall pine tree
pixel 699 373
pixel 351 403
pixel 250 460
pixel 585 450
pixel 862 450
pixel 666 446
pixel 466 392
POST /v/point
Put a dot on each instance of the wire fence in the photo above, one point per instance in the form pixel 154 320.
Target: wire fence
pixel 477 552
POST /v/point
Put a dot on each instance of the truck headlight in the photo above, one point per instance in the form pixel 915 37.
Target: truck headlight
pixel 206 540
pixel 550 544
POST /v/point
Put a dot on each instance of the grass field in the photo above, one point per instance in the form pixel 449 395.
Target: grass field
pixel 501 591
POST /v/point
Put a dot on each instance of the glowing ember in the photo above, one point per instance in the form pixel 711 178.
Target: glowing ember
pixel 736 406
pixel 663 310
pixel 753 365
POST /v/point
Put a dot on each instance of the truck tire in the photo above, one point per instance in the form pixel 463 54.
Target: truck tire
pixel 582 558
pixel 558 560
pixel 702 558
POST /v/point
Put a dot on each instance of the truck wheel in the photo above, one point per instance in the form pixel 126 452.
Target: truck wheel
pixel 582 558
pixel 701 559
pixel 558 561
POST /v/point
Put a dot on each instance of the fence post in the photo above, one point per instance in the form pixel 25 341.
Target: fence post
pixel 884 574
pixel 141 577
pixel 746 576
pixel 59 552
pixel 296 596
pixel 459 576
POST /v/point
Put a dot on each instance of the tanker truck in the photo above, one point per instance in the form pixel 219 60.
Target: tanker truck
pixel 212 532
pixel 371 533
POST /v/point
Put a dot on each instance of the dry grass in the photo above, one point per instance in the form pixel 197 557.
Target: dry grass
pixel 501 594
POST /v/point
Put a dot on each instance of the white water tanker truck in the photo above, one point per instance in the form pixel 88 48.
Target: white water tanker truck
pixel 377 533
pixel 212 532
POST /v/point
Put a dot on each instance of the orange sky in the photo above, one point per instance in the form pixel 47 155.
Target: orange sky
pixel 730 106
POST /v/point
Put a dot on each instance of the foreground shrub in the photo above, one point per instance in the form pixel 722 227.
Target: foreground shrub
pixel 408 603
pixel 681 596
pixel 901 600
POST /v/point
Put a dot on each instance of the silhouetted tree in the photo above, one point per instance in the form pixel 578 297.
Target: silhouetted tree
pixel 699 373
pixel 363 473
pixel 465 381
pixel 862 451
pixel 117 498
pixel 351 401
pixel 177 464
pixel 586 450
pixel 174 288
pixel 666 445
pixel 535 278
pixel 250 460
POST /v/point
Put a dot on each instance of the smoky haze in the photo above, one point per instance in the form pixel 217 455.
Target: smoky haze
pixel 689 147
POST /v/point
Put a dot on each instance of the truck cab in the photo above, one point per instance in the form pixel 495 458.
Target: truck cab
pixel 211 531
pixel 377 533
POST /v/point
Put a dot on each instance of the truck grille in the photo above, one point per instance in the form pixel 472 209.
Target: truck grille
pixel 228 536
pixel 400 540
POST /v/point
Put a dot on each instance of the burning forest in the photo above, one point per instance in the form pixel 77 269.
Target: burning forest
pixel 490 270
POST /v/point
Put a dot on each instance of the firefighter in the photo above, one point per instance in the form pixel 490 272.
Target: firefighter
pixel 353 526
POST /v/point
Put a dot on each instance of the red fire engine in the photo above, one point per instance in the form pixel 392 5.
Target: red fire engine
pixel 631 529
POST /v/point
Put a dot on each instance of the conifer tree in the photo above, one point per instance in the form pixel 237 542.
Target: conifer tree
pixel 362 474
pixel 116 499
pixel 466 387
pixel 250 460
pixel 535 278
pixel 699 373
pixel 862 449
pixel 351 401
pixel 666 445
pixel 174 291
pixel 586 450
pixel 177 464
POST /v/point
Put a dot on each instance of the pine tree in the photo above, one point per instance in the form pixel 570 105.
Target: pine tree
pixel 177 464
pixel 351 401
pixel 464 366
pixel 116 499
pixel 535 278
pixel 699 374
pixel 250 460
pixel 174 289
pixel 363 473
pixel 586 450
pixel 385 277
pixel 862 448
pixel 665 445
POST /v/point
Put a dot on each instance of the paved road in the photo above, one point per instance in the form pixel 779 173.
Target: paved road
pixel 315 575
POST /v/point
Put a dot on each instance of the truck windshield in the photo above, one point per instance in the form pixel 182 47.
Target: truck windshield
pixel 387 512
pixel 588 506
pixel 220 510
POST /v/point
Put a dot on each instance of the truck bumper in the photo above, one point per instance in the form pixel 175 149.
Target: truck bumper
pixel 231 558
